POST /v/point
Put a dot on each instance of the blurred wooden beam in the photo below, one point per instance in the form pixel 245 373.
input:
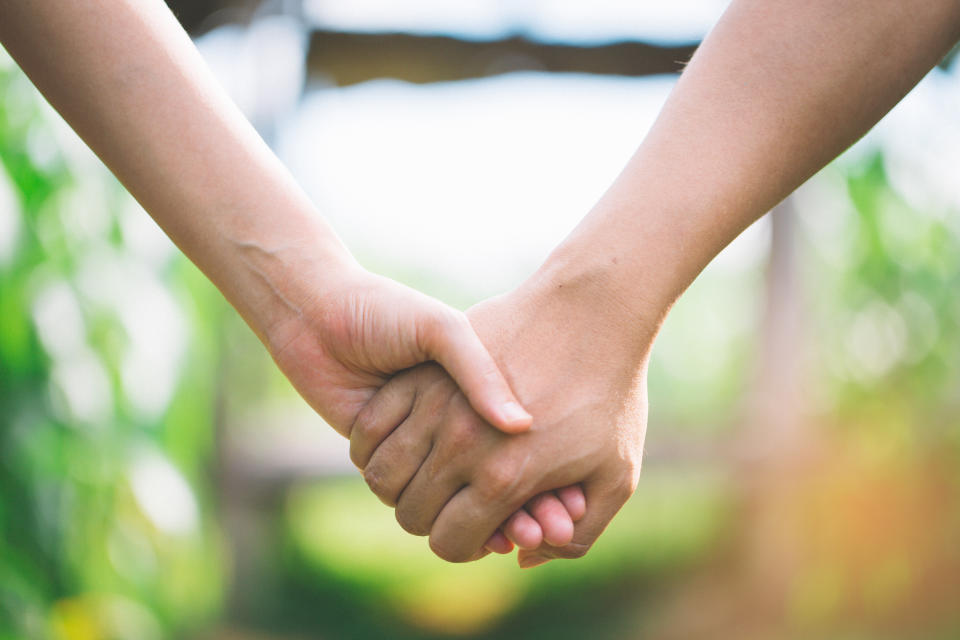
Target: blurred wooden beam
pixel 349 58
pixel 193 13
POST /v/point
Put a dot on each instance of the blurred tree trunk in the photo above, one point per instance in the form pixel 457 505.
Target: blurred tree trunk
pixel 779 439
pixel 774 424
pixel 345 58
pixel 744 594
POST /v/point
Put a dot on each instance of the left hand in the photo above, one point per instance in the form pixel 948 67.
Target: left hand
pixel 348 336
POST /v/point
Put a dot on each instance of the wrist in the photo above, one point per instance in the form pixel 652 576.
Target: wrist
pixel 570 318
pixel 602 293
pixel 282 276
pixel 573 333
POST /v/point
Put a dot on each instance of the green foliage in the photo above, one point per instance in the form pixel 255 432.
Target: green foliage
pixel 341 537
pixel 90 462
pixel 886 305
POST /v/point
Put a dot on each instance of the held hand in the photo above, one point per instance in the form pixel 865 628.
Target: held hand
pixel 548 518
pixel 578 362
pixel 344 343
pixel 390 423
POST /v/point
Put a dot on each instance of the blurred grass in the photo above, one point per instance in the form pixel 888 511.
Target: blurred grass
pixel 81 554
pixel 341 534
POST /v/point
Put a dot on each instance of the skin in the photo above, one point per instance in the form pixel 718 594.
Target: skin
pixel 777 90
pixel 129 81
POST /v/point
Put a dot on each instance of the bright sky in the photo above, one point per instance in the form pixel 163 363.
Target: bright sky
pixel 564 20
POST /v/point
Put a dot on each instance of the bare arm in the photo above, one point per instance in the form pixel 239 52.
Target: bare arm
pixel 129 81
pixel 776 91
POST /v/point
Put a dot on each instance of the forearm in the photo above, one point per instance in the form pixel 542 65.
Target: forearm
pixel 129 81
pixel 775 92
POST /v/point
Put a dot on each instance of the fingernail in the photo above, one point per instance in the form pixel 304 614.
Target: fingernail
pixel 529 562
pixel 514 413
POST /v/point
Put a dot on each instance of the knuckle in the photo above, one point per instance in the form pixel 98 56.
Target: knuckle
pixel 465 431
pixel 360 434
pixel 409 522
pixel 378 484
pixel 628 481
pixel 450 554
pixel 623 490
pixel 356 457
pixel 497 480
pixel 623 480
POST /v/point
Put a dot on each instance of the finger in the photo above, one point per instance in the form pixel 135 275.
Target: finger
pixel 467 520
pixel 432 486
pixel 523 530
pixel 553 519
pixel 452 342
pixel 604 499
pixel 498 543
pixel 397 460
pixel 381 415
pixel 573 500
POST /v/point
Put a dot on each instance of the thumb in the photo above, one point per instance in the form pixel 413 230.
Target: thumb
pixel 450 340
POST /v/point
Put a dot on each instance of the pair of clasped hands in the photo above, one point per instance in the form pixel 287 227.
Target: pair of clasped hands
pixel 448 440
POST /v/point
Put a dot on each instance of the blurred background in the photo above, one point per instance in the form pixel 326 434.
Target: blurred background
pixel 159 478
